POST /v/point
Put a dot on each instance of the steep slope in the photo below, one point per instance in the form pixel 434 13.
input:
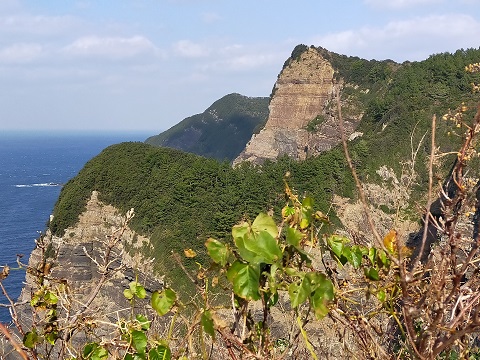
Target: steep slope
pixel 301 122
pixel 221 131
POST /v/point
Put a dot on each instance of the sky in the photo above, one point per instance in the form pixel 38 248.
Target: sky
pixel 145 65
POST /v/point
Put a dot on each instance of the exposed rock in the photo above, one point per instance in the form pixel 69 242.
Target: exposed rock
pixel 302 113
pixel 71 267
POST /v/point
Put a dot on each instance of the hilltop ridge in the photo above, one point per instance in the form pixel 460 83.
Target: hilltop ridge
pixel 221 131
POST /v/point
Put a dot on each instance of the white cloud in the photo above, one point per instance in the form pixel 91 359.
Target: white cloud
pixel 37 25
pixel 242 58
pixel 399 4
pixel 412 39
pixel 249 61
pixel 21 53
pixel 110 47
pixel 189 49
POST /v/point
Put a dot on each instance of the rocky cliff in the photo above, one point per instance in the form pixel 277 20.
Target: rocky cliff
pixel 72 266
pixel 302 120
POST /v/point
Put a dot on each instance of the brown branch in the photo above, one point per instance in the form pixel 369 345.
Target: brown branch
pixel 429 196
pixel 10 338
pixel 13 309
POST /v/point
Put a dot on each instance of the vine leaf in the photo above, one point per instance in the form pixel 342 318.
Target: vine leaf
pixel 336 243
pixel 31 338
pixel 162 302
pixel 299 292
pixel 245 280
pixel 264 222
pixel 372 274
pixel 217 251
pixel 390 241
pixel 293 236
pixel 322 296
pixel 161 352
pixel 139 341
pixel 207 323
pixel 190 253
pixel 94 351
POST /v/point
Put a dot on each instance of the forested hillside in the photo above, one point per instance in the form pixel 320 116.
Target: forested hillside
pixel 181 199
pixel 221 131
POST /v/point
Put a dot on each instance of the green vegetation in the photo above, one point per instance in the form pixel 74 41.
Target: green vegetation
pixel 390 299
pixel 220 132
pixel 314 124
pixel 181 199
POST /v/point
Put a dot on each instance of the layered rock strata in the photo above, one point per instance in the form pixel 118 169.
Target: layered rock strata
pixel 302 113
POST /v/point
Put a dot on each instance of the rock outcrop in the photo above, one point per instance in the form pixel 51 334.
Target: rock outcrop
pixel 72 267
pixel 302 112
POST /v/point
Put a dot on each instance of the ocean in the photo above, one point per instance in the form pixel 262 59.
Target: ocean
pixel 33 167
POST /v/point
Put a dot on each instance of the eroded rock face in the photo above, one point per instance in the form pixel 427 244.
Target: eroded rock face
pixel 302 120
pixel 76 260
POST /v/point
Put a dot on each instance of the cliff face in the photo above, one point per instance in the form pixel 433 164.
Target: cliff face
pixel 76 259
pixel 302 119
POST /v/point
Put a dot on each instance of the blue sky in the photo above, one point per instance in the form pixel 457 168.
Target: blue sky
pixel 144 65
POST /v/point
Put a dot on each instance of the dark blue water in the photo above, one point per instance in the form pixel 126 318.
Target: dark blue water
pixel 32 165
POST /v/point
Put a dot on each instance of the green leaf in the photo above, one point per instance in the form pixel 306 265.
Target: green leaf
pixel 207 323
pixel 271 299
pixel 372 255
pixel 51 337
pixel 245 279
pixel 336 242
pixel 371 274
pixel 294 236
pixel 51 298
pixel 31 338
pixel 246 254
pixel 355 256
pixel 161 352
pixel 128 294
pixel 264 222
pixel 326 288
pixel 299 292
pixel 94 351
pixel 293 272
pixel 144 322
pixel 239 231
pixel 316 280
pixel 217 251
pixel 264 246
pixel 322 296
pixel 137 289
pixel 162 302
pixel 307 211
pixel 288 210
pixel 139 341
pixel 381 295
pixel 383 259
pixel 319 304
